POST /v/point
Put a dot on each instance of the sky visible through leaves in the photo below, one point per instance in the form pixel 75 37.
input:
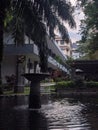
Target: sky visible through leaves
pixel 78 15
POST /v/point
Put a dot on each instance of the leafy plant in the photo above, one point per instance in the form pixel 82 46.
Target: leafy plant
pixel 89 27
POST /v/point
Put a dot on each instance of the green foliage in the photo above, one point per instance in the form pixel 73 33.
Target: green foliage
pixel 69 60
pixel 60 79
pixel 89 27
pixel 26 90
pixel 36 13
pixel 77 84
pixel 91 84
pixel 64 85
pixel 58 59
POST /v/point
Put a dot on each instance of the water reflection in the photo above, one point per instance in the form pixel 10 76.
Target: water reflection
pixel 55 114
pixel 66 114
pixel 16 116
pixel 37 121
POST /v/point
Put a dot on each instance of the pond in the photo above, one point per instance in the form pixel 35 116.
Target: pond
pixel 78 113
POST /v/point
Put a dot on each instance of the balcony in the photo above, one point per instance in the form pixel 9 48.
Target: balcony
pixel 31 48
pixel 54 64
pixel 18 50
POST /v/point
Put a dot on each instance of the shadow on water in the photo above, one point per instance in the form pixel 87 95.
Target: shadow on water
pixel 15 115
pixel 37 121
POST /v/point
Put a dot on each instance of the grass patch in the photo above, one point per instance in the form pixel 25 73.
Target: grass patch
pixel 10 92
pixel 26 90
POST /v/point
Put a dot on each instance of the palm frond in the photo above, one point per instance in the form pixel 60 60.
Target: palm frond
pixel 33 17
pixel 53 11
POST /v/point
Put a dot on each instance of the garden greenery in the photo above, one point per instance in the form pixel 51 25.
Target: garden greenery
pixel 76 85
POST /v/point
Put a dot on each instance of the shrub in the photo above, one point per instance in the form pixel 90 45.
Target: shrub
pixel 79 83
pixel 91 84
pixel 76 84
pixel 60 79
pixel 64 84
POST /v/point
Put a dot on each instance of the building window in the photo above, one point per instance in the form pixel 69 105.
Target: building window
pixel 67 49
pixel 62 42
pixel 57 41
pixel 63 49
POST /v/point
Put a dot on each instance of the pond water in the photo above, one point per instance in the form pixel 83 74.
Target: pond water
pixel 79 113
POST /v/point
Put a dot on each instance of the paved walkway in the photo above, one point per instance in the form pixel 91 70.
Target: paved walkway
pixel 45 89
pixel 47 84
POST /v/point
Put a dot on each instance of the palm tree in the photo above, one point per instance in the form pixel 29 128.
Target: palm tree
pixel 43 14
pixel 34 17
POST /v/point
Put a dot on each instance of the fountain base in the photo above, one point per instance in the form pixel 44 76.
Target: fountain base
pixel 34 97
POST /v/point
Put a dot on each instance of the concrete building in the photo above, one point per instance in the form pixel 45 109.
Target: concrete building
pixel 24 57
pixel 75 53
pixel 65 47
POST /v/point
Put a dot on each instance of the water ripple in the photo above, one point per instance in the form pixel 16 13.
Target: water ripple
pixel 62 114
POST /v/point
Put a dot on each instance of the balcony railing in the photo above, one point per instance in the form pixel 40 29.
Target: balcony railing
pixel 52 61
pixel 12 49
pixel 18 50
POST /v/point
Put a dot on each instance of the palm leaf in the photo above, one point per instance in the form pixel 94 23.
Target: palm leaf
pixel 30 17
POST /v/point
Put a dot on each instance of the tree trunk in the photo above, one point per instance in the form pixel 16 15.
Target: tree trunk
pixel 43 62
pixel 2 14
pixel 43 55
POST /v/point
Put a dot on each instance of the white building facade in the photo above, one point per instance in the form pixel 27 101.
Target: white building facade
pixel 24 57
pixel 65 47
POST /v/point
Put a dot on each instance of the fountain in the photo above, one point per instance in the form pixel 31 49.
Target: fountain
pixel 34 96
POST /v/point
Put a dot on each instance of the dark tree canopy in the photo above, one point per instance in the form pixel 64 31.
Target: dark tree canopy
pixel 89 26
pixel 43 14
